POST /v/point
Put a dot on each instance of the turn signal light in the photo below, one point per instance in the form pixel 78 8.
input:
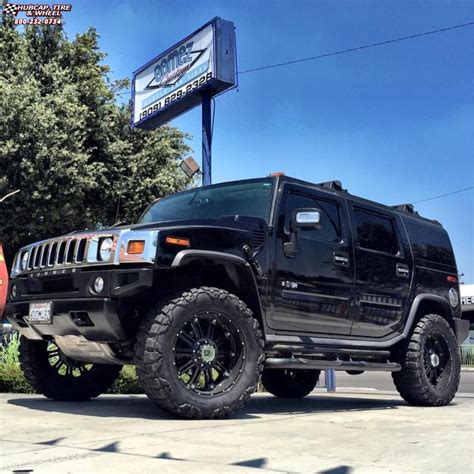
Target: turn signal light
pixel 135 247
pixel 452 279
pixel 183 242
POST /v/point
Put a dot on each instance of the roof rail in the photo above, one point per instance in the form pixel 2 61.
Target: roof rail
pixel 410 208
pixel 335 185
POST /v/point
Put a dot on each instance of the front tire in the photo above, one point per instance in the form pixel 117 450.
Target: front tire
pixel 58 377
pixel 431 364
pixel 201 355
pixel 286 383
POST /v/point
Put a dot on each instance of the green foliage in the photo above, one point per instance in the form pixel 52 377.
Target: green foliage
pixel 67 144
pixel 127 381
pixel 467 355
pixel 12 379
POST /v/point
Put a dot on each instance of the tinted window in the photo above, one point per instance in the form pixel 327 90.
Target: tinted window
pixel 431 243
pixel 215 202
pixel 375 232
pixel 330 230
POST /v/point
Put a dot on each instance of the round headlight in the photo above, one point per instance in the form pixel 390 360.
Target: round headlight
pixel 105 250
pixel 13 291
pixel 24 261
pixel 98 285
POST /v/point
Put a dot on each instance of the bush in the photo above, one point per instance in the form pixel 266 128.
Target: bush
pixel 467 355
pixel 12 379
pixel 127 381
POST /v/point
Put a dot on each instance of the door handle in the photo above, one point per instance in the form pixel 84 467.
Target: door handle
pixel 341 259
pixel 403 271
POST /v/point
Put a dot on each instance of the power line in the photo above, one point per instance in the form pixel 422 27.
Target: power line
pixel 358 48
pixel 444 195
pixel 349 50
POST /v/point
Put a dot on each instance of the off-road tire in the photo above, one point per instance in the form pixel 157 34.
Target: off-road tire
pixel 413 381
pixel 87 383
pixel 156 363
pixel 286 383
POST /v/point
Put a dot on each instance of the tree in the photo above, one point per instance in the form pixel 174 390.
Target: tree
pixel 67 144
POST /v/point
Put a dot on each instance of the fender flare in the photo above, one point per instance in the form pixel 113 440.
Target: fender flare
pixel 416 303
pixel 186 256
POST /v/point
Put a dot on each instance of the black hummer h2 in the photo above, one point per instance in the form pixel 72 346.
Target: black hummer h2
pixel 217 287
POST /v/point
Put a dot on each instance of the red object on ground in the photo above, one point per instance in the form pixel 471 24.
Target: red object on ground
pixel 3 281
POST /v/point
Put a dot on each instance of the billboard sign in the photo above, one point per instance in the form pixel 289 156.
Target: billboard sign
pixel 175 81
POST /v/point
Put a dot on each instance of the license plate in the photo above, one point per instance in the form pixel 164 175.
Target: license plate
pixel 41 312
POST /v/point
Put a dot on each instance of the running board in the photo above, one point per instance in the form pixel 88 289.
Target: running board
pixel 308 364
pixel 300 349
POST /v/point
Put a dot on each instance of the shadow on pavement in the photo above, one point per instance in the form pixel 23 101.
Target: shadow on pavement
pixel 138 406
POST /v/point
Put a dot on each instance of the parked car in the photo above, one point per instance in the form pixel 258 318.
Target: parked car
pixel 217 287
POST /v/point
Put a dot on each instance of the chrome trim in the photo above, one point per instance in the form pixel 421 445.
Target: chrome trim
pixel 90 257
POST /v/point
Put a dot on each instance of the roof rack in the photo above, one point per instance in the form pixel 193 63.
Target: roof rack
pixel 335 185
pixel 410 208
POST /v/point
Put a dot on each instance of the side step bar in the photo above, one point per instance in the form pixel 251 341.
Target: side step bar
pixel 300 349
pixel 275 363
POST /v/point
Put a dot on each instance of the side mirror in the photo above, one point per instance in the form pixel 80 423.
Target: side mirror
pixel 301 219
pixel 305 219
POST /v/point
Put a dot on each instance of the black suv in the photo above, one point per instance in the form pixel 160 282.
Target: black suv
pixel 218 287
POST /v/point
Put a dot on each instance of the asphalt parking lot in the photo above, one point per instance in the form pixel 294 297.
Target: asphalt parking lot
pixel 356 430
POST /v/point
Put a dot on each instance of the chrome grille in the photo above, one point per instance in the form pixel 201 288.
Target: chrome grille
pixel 77 250
pixel 58 253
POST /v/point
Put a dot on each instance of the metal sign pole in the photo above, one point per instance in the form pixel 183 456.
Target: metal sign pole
pixel 206 139
pixel 330 379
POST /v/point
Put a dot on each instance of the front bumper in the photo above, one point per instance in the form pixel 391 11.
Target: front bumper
pixel 95 319
pixel 76 310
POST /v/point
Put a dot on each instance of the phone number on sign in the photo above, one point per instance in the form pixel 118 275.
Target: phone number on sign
pixel 179 94
pixel 38 21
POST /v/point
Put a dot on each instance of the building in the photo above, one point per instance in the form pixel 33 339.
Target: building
pixel 467 305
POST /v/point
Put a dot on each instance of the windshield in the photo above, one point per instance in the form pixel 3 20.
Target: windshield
pixel 248 198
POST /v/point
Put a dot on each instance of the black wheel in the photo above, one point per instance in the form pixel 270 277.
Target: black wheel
pixel 431 364
pixel 58 377
pixel 201 355
pixel 286 383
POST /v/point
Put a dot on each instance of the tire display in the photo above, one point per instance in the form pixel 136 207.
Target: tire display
pixel 58 377
pixel 286 383
pixel 201 355
pixel 430 362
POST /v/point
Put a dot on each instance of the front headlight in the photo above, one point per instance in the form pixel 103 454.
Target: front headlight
pixel 24 261
pixel 105 249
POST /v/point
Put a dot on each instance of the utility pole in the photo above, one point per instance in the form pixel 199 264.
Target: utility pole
pixel 206 139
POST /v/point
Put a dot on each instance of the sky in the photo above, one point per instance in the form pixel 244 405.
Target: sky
pixel 394 123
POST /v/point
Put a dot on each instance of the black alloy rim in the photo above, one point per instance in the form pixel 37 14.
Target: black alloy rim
pixel 437 360
pixel 63 365
pixel 209 353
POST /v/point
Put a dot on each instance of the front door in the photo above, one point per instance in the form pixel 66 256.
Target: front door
pixel 384 267
pixel 313 287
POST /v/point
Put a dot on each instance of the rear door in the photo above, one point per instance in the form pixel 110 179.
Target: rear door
pixel 313 290
pixel 384 267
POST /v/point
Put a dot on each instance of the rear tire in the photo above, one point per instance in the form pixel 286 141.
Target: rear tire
pixel 58 377
pixel 286 383
pixel 201 355
pixel 431 364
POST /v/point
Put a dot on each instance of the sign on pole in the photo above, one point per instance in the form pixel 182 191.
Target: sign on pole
pixel 203 64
